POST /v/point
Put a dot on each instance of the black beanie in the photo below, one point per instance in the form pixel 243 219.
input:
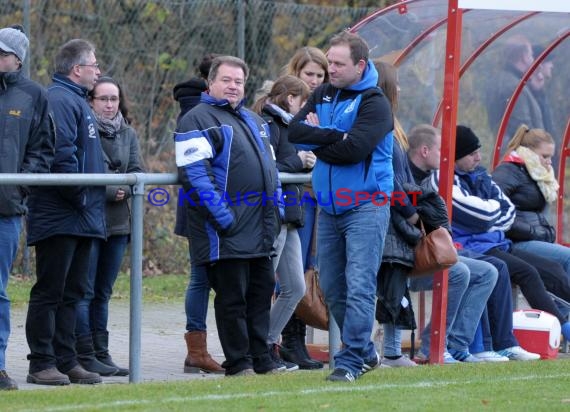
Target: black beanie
pixel 465 142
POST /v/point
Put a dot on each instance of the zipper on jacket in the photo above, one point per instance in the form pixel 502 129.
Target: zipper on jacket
pixel 335 101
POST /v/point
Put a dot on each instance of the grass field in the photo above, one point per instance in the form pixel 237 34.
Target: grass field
pixel 156 289
pixel 512 386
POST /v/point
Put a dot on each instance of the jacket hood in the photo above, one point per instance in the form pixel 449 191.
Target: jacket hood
pixel 77 88
pixel 369 79
pixel 206 98
pixel 192 87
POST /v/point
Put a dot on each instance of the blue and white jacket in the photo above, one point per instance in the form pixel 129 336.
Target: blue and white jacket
pixel 481 211
pixel 230 182
pixel 360 163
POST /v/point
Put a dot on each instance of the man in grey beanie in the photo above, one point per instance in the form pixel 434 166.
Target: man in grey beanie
pixel 14 41
pixel 27 142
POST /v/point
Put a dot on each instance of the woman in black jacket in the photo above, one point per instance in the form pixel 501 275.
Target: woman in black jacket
pixel 526 176
pixel 121 154
pixel 287 95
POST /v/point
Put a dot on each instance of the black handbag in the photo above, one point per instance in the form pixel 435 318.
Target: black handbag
pixel 294 210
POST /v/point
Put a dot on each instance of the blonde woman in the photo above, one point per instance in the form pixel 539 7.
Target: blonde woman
pixel 526 176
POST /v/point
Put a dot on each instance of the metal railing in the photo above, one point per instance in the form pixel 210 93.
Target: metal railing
pixel 137 181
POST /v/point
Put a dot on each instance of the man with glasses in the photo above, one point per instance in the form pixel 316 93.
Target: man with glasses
pixel 63 223
pixel 26 146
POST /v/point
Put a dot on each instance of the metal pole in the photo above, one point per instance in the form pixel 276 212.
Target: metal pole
pixel 334 340
pixel 241 29
pixel 28 30
pixel 449 121
pixel 136 283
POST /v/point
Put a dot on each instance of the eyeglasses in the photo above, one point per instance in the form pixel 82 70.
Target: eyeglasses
pixel 94 65
pixel 107 99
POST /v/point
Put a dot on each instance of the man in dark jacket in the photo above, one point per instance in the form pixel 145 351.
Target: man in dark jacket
pixel 228 173
pixel 27 139
pixel 63 222
pixel 348 125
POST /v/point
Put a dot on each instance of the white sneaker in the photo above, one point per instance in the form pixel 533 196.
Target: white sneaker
pixel 401 362
pixel 518 353
pixel 491 356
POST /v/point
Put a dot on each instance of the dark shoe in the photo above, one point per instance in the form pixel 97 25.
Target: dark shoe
pixel 341 375
pixel 371 364
pixel 101 348
pixel 274 353
pixel 293 347
pixel 49 376
pixel 269 368
pixel 86 357
pixel 308 362
pixel 198 360
pixel 6 382
pixel 243 372
pixel 82 377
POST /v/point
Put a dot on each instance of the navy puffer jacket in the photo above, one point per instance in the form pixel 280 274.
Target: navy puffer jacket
pixel 70 210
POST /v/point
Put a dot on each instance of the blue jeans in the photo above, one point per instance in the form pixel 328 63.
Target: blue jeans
pixel 470 283
pixel 197 296
pixel 483 277
pixel 9 236
pixel 104 265
pixel 457 283
pixel 349 251
pixel 306 235
pixel 392 340
pixel 289 270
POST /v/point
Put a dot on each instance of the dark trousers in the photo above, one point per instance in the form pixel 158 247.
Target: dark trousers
pixel 497 320
pixel 243 299
pixel 527 271
pixel 62 263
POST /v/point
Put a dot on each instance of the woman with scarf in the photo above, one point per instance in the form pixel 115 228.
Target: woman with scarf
pixel 286 97
pixel 120 146
pixel 526 176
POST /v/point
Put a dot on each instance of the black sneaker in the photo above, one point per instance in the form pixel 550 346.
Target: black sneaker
pixel 6 382
pixel 283 364
pixel 371 364
pixel 341 375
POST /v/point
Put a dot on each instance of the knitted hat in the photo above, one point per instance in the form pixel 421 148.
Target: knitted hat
pixel 14 41
pixel 465 142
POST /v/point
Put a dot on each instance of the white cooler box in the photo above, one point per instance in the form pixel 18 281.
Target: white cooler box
pixel 538 332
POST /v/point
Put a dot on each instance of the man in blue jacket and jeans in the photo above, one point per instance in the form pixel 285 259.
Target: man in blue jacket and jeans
pixel 348 124
pixel 63 222
pixel 27 147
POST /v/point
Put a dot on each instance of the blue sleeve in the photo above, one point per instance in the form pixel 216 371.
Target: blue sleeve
pixel 194 157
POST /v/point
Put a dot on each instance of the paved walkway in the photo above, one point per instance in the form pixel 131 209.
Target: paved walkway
pixel 163 348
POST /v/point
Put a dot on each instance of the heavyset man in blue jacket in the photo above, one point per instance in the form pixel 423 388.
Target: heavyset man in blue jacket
pixel 63 222
pixel 229 177
pixel 348 124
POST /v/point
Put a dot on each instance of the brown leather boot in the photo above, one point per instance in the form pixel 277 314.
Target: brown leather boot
pixel 198 359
